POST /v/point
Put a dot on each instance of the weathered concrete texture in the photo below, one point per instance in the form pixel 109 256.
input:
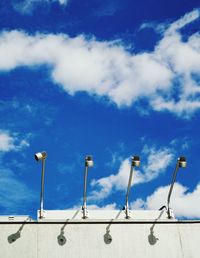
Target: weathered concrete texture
pixel 100 239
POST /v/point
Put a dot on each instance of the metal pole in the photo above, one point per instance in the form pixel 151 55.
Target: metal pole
pixel 128 191
pixel 84 193
pixel 42 191
pixel 171 188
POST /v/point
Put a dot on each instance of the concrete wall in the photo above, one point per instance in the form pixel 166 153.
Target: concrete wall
pixel 100 239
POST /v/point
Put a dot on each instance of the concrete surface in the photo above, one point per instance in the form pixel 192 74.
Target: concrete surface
pixel 100 238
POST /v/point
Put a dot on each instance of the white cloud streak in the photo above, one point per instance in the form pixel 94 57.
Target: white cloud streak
pixel 6 142
pixel 9 142
pixel 108 69
pixel 183 202
pixel 185 20
pixel 157 161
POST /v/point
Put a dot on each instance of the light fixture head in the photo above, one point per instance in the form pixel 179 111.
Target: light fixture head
pixel 136 161
pixel 182 162
pixel 89 161
pixel 40 156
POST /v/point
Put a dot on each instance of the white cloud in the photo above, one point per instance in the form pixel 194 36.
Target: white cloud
pixel 27 6
pixel 156 163
pixel 9 142
pixel 183 202
pixel 109 69
pixel 6 141
pixel 173 27
pixel 185 20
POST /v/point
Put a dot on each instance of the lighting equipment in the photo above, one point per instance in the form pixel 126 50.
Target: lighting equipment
pixel 181 163
pixel 88 163
pixel 135 162
pixel 41 156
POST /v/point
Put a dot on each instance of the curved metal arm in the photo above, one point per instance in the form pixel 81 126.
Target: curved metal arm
pixel 135 163
pixel 171 188
pixel 181 162
pixel 127 193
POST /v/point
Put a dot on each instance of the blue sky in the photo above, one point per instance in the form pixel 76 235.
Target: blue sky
pixel 107 78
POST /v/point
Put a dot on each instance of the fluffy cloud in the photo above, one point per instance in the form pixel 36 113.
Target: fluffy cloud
pixel 156 163
pixel 6 142
pixel 10 142
pixel 163 77
pixel 183 202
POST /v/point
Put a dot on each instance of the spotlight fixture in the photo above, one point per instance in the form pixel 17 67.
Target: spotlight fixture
pixel 181 163
pixel 135 162
pixel 41 156
pixel 88 163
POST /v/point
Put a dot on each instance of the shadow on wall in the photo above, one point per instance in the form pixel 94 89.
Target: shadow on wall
pixel 13 237
pixel 151 237
pixel 61 239
pixel 107 236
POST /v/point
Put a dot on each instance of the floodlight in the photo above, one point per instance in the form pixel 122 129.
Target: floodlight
pixel 41 156
pixel 181 163
pixel 88 163
pixel 135 162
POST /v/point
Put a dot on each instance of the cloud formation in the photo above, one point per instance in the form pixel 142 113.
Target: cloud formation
pixel 9 142
pixel 156 163
pixel 6 142
pixel 183 202
pixel 162 77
